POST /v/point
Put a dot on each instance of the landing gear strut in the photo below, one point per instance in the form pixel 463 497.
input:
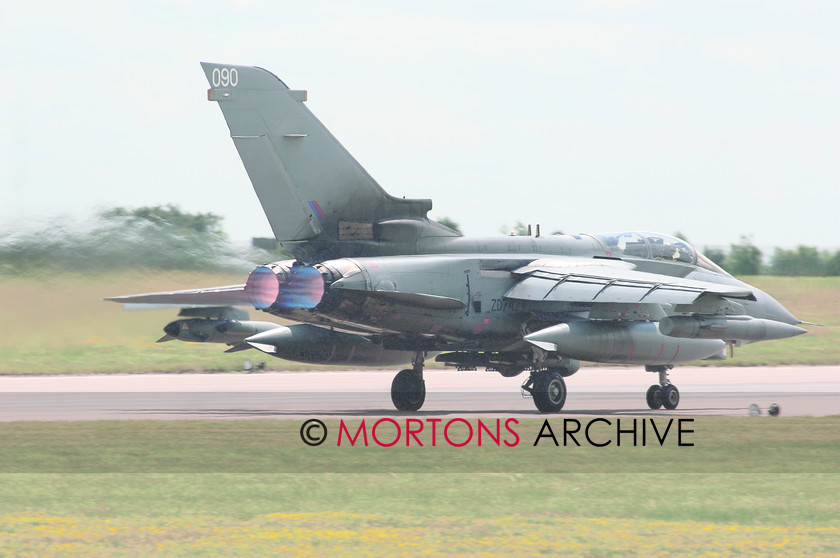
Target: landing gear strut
pixel 408 390
pixel 548 390
pixel 663 394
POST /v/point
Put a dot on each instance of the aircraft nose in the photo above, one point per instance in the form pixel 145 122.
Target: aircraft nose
pixel 773 310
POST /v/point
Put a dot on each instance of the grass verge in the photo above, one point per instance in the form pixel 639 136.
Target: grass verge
pixel 747 486
pixel 616 445
pixel 62 326
pixel 419 514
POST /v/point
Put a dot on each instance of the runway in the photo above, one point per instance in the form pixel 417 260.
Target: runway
pixel 798 390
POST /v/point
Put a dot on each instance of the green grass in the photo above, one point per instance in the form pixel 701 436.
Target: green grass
pixel 811 299
pixel 61 324
pixel 787 500
pixel 517 520
pixel 749 486
pixel 718 444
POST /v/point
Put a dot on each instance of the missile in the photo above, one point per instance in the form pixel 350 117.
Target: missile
pixel 624 343
pixel 204 330
pixel 316 345
pixel 731 328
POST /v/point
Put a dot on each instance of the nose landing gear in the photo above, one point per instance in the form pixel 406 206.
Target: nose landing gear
pixel 663 394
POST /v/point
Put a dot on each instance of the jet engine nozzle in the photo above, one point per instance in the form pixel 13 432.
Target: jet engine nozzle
pixel 285 286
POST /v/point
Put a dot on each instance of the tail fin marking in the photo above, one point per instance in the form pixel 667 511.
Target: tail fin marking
pixel 305 180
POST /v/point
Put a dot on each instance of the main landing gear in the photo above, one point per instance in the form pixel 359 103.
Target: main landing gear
pixel 408 390
pixel 548 389
pixel 546 386
pixel 663 394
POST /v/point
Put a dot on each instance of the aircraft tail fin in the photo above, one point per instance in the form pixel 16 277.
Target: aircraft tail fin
pixel 308 184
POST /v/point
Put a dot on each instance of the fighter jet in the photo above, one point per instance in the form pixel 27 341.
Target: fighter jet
pixel 374 281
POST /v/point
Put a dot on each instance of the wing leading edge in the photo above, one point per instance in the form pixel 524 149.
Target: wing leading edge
pixel 617 286
pixel 232 295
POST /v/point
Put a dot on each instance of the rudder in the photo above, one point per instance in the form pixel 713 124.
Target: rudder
pixel 307 183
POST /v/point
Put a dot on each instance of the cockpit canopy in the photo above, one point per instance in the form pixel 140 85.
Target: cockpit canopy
pixel 655 246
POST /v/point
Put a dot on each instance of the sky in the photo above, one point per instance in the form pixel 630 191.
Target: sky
pixel 714 119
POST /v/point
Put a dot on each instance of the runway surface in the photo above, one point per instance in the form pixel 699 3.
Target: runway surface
pixel 798 390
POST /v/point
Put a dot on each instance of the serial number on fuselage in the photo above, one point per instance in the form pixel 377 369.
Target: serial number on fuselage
pixel 505 305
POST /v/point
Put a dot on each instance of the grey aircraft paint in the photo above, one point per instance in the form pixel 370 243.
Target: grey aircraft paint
pixel 375 281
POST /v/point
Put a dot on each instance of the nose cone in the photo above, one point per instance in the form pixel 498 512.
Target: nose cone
pixel 269 341
pixel 276 336
pixel 173 329
pixel 548 338
pixel 773 310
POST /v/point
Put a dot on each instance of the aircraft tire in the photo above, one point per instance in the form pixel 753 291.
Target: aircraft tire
pixel 408 390
pixel 565 372
pixel 670 397
pixel 654 397
pixel 549 392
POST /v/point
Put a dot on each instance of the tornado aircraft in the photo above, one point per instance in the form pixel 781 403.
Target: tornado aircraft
pixel 374 281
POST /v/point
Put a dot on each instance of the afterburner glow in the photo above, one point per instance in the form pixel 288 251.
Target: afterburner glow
pixel 283 286
pixel 303 288
pixel 262 287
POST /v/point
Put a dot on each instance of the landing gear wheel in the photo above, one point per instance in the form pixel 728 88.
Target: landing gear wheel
pixel 408 390
pixel 549 392
pixel 563 371
pixel 670 397
pixel 654 396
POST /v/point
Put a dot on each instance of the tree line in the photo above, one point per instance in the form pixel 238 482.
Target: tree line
pixel 744 258
pixel 159 237
pixel 165 237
